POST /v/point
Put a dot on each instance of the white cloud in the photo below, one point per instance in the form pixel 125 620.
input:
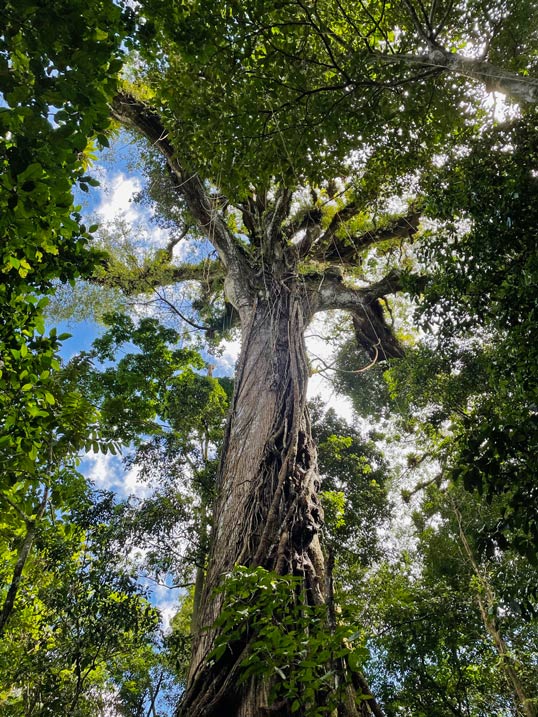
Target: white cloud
pixel 132 485
pixel 227 360
pixel 102 469
pixel 166 600
pixel 321 351
pixel 137 555
pixel 117 203
pixel 107 472
pixel 320 386
pixel 168 611
pixel 117 198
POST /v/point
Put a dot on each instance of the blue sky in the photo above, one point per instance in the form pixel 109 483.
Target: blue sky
pixel 114 199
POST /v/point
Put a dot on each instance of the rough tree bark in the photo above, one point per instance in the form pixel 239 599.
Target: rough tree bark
pixel 267 511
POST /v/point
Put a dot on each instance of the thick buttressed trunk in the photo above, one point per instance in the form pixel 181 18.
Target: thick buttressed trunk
pixel 267 513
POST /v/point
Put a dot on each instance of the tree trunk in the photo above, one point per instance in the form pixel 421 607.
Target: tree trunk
pixel 267 512
pixel 22 557
pixel 486 604
pixel 519 88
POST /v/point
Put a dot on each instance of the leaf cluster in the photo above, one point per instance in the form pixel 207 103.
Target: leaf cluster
pixel 255 90
pixel 353 468
pixel 283 639
pixel 434 616
pixel 58 68
pixel 82 623
pixel 481 299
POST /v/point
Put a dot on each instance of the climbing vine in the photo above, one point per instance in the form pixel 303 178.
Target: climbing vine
pixel 267 620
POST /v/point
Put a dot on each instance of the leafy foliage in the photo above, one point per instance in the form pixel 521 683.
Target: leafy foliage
pixel 284 638
pixel 255 100
pixel 81 617
pixel 447 624
pixel 481 298
pixel 298 80
pixel 354 488
pixel 152 399
pixel 59 64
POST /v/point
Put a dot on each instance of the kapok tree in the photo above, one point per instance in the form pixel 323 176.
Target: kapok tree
pixel 267 511
pixel 289 174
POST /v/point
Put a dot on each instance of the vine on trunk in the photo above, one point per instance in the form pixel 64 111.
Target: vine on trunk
pixel 284 640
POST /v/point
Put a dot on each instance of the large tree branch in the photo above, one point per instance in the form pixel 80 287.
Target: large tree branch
pixel 347 250
pixel 276 214
pixel 137 280
pixel 312 223
pixel 263 217
pixel 328 292
pixel 145 120
pixel 495 79
pixel 372 332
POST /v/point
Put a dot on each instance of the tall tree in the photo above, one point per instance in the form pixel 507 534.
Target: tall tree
pixel 284 132
pixel 267 511
pixel 255 115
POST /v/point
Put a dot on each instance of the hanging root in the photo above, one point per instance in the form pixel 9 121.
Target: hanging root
pixel 374 335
